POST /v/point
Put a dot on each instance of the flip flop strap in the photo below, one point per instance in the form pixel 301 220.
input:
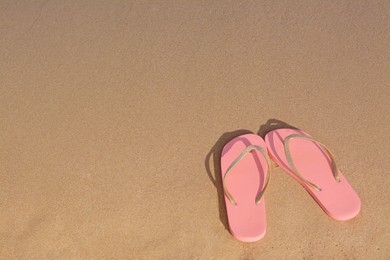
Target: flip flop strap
pixel 236 161
pixel 295 170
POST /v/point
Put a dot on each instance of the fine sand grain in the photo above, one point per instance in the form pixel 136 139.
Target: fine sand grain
pixel 113 114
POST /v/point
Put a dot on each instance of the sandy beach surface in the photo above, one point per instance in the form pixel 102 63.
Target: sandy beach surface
pixel 113 115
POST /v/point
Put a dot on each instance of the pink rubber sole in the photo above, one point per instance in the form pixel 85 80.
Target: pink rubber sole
pixel 337 199
pixel 247 221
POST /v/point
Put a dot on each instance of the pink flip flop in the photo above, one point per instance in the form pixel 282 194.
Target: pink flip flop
pixel 244 166
pixel 313 166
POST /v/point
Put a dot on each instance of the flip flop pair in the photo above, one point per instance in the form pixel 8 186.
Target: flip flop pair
pixel 245 166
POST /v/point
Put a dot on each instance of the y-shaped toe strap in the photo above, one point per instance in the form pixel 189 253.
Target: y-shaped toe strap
pixel 295 170
pixel 236 161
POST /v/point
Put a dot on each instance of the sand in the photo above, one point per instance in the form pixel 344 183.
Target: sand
pixel 113 114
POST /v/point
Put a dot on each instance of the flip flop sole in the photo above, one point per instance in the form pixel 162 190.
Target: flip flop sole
pixel 247 220
pixel 337 199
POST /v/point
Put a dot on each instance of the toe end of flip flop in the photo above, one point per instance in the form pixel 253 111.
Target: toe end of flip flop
pixel 249 234
pixel 250 237
pixel 348 211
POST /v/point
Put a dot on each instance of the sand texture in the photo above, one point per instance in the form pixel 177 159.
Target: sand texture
pixel 113 115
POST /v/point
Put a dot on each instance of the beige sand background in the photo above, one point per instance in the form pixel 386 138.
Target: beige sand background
pixel 113 114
